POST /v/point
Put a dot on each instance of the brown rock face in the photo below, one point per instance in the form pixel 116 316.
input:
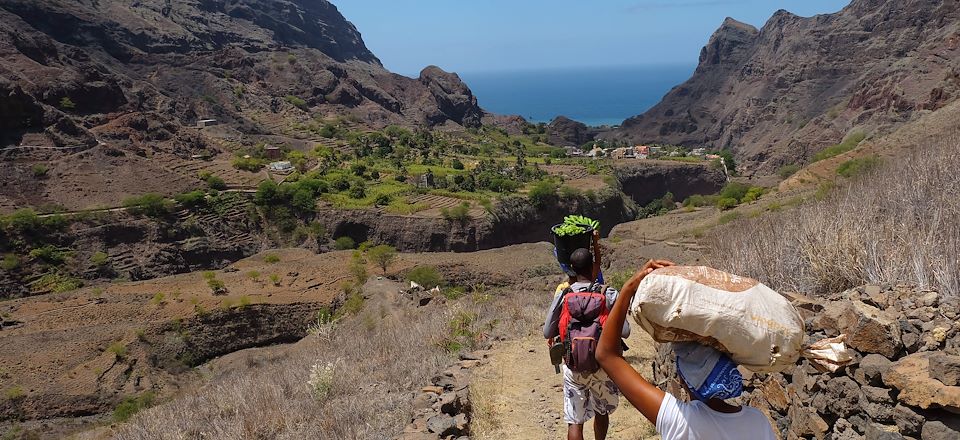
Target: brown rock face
pixel 868 329
pixel 912 377
pixel 565 131
pixel 187 60
pixel 779 94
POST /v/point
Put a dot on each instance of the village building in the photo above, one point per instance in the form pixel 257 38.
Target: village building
pixel 206 123
pixel 272 152
pixel 698 152
pixel 281 167
pixel 623 153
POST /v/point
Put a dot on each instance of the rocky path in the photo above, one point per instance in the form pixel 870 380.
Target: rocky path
pixel 517 395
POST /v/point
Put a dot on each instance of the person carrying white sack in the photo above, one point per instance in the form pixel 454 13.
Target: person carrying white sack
pixel 710 377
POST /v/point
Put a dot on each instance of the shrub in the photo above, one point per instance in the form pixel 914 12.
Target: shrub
pixel 344 243
pixel 725 203
pixel 254 275
pixel 191 199
pixel 358 268
pixel 297 102
pixel 151 205
pixel 358 190
pixel 382 255
pixel 67 104
pixel 217 286
pixel 354 303
pixel 250 164
pixel 216 182
pixel 118 349
pixel 858 166
pixel 39 171
pixel 275 279
pixel 14 393
pixel 159 299
pixel 543 193
pixel 321 381
pixel 57 283
pixel 10 262
pixel 753 194
pixel 456 164
pixel 50 254
pixel 460 212
pixel 24 220
pixel 787 171
pixel 426 276
pixel 132 405
pixel 271 258
pixel 383 200
pixel 734 190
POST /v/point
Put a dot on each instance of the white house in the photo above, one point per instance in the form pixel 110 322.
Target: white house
pixel 206 123
pixel 282 167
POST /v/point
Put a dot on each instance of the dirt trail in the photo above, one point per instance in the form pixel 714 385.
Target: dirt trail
pixel 518 395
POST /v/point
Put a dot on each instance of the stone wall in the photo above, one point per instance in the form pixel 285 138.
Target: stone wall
pixel 443 409
pixel 903 383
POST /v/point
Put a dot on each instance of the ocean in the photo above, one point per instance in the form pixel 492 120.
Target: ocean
pixel 594 96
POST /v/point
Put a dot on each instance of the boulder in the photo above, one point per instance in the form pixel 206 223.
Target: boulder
pixel 868 329
pixel 775 394
pixel 877 395
pixel 841 396
pixel 907 420
pixel 442 425
pixel 873 366
pixel 945 368
pixel 882 432
pixel 934 430
pixel 911 375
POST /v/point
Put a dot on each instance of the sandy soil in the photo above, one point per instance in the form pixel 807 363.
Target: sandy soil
pixel 519 396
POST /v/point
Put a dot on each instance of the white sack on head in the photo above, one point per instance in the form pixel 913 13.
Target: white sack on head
pixel 753 324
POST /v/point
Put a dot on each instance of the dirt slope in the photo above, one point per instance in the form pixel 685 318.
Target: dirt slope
pixel 518 395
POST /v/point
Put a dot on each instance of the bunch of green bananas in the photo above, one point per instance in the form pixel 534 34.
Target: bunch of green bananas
pixel 575 225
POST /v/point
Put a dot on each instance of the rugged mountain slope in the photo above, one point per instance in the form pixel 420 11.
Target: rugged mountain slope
pixel 117 87
pixel 781 93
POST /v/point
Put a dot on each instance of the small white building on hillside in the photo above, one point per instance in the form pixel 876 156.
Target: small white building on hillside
pixel 282 167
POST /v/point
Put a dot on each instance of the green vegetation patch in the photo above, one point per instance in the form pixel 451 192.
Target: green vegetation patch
pixel 426 276
pixel 848 144
pixel 858 166
pixel 132 405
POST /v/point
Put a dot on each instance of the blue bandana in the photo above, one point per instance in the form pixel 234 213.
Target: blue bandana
pixel 708 373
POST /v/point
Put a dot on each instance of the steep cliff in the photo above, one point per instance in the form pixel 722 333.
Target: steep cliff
pixel 780 94
pixel 68 66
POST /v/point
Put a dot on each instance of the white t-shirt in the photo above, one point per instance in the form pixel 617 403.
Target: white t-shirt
pixel 696 421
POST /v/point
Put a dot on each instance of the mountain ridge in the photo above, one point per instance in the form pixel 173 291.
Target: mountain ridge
pixel 778 94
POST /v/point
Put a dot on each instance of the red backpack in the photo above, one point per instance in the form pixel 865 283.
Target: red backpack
pixel 581 321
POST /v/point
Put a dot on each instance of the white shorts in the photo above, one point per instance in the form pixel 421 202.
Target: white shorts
pixel 586 395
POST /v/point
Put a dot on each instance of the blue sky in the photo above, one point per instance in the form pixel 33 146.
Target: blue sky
pixel 504 35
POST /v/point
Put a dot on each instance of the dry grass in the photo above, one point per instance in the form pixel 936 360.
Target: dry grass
pixel 899 223
pixel 378 358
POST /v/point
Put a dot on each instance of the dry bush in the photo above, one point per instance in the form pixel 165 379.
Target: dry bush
pixel 378 359
pixel 897 224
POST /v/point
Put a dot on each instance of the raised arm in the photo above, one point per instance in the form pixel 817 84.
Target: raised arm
pixel 641 393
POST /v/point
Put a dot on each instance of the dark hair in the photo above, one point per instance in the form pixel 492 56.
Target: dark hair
pixel 581 260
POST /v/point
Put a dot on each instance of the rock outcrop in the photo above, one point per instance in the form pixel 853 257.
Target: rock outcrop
pixel 443 409
pixel 645 181
pixel 902 383
pixel 564 131
pixel 779 94
pixel 182 61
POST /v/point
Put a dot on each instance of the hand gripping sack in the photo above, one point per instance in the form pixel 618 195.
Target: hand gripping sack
pixel 753 324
